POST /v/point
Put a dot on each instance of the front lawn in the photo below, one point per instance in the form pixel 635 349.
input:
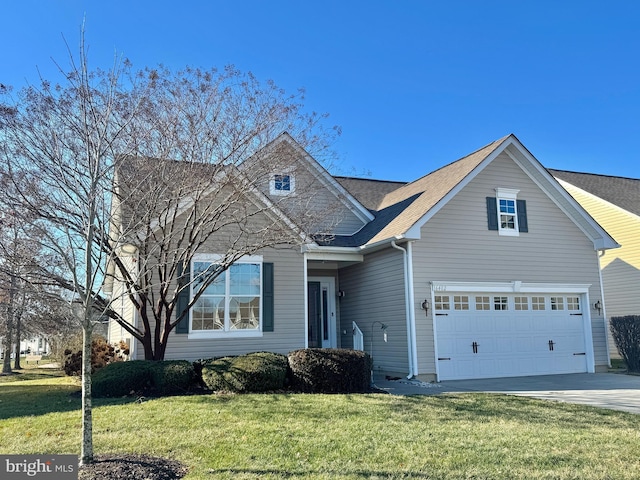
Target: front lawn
pixel 276 436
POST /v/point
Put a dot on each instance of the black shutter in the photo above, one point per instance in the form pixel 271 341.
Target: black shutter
pixel 267 297
pixel 492 213
pixel 523 225
pixel 183 300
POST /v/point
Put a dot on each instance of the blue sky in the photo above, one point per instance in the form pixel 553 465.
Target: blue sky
pixel 413 84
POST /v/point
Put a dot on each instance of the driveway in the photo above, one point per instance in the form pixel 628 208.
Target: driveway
pixel 606 390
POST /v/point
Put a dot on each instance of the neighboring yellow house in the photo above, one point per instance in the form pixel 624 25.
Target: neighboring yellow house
pixel 614 202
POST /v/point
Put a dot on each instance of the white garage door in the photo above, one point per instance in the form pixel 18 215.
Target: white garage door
pixel 485 335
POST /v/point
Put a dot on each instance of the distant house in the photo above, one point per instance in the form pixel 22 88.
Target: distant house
pixel 614 202
pixel 486 267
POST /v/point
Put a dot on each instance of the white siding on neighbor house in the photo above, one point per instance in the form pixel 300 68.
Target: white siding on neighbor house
pixel 374 292
pixel 289 317
pixel 121 304
pixel 456 245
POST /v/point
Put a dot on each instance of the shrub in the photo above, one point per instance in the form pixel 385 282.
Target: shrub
pixel 143 377
pixel 172 376
pixel 122 378
pixel 323 370
pixel 254 372
pixel 102 354
pixel 626 335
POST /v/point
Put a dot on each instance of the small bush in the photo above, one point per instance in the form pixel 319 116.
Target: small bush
pixel 172 376
pixel 123 378
pixel 626 335
pixel 254 372
pixel 323 370
pixel 102 354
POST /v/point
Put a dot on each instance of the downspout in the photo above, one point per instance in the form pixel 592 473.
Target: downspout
pixel 408 308
pixel 600 254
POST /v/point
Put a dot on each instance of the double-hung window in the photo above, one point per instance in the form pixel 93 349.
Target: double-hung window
pixel 231 304
pixel 507 211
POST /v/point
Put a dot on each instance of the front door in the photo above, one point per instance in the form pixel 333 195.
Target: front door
pixel 321 312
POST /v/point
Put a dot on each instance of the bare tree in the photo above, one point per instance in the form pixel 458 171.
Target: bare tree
pixel 129 173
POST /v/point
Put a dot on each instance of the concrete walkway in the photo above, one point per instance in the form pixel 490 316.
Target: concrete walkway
pixel 605 390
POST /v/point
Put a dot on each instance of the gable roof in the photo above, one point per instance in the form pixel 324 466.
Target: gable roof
pixel 367 191
pixel 621 191
pixel 402 212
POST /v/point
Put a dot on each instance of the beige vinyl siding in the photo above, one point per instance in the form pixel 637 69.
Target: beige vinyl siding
pixel 374 291
pixel 289 317
pixel 456 245
pixel 313 196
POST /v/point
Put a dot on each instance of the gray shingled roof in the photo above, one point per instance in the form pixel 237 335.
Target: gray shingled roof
pixel 621 191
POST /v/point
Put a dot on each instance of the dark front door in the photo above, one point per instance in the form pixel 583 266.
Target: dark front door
pixel 314 330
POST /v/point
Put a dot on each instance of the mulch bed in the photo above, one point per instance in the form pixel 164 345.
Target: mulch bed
pixel 131 467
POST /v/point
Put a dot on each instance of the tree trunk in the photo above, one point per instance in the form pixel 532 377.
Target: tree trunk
pixel 87 420
pixel 16 360
pixel 7 347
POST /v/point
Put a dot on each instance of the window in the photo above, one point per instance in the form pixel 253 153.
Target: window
pixel 537 303
pixel 500 303
pixel 282 184
pixel 507 212
pixel 460 302
pixel 232 302
pixel 557 303
pixel 442 302
pixel 521 303
pixel 482 303
pixel 573 303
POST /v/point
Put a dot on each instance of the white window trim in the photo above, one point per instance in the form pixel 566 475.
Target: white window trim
pixel 508 194
pixel 204 334
pixel 292 182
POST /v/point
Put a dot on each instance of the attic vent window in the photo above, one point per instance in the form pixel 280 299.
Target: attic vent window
pixel 507 211
pixel 282 184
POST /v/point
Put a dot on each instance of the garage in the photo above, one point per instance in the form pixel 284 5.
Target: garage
pixel 487 334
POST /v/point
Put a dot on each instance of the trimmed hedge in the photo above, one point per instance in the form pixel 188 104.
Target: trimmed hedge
pixel 626 335
pixel 143 377
pixel 325 370
pixel 253 372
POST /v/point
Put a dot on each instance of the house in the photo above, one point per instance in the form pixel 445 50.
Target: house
pixel 614 202
pixel 486 267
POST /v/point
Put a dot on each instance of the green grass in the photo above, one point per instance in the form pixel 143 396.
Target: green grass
pixel 462 436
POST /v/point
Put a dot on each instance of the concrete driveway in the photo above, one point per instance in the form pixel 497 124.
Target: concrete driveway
pixel 606 390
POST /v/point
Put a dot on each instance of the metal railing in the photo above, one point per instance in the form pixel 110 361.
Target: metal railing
pixel 358 337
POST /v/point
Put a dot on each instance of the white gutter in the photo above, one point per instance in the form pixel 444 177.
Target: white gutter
pixel 408 291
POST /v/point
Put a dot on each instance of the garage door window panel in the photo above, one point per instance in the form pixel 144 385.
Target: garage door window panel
pixel 521 303
pixel 442 302
pixel 500 303
pixel 461 302
pixel 537 303
pixel 557 303
pixel 483 303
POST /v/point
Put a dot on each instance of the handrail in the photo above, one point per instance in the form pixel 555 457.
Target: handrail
pixel 358 337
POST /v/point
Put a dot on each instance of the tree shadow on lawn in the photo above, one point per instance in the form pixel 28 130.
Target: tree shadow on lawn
pixel 489 406
pixel 258 473
pixel 18 400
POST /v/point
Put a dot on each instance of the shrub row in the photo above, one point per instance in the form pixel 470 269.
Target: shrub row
pixel 139 377
pixel 307 370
